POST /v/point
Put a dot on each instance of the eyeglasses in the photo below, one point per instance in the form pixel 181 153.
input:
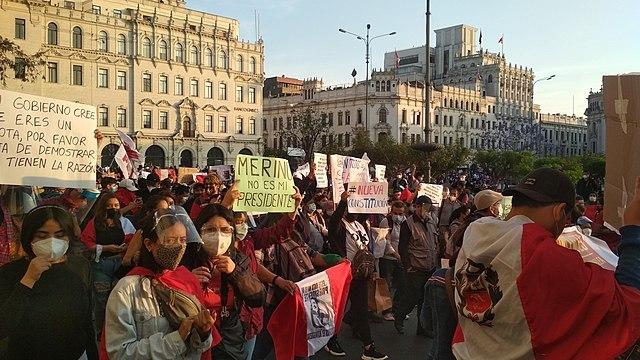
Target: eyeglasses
pixel 212 229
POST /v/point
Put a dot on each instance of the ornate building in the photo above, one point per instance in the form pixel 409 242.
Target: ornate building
pixel 596 128
pixel 564 135
pixel 179 81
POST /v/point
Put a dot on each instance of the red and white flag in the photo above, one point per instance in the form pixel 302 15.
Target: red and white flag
pixel 122 159
pixel 501 41
pixel 304 322
pixel 135 158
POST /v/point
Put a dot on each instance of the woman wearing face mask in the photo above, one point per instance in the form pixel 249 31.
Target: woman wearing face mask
pixel 226 276
pixel 136 325
pixel 107 234
pixel 38 292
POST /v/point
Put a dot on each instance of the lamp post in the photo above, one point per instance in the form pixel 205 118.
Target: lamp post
pixel 427 85
pixel 366 41
pixel 531 108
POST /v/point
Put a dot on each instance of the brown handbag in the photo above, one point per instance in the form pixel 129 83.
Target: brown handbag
pixel 175 305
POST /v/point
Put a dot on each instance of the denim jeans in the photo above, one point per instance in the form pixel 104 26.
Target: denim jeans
pixel 443 320
pixel 248 348
pixel 104 278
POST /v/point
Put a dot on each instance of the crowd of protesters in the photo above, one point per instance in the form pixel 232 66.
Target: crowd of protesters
pixel 88 274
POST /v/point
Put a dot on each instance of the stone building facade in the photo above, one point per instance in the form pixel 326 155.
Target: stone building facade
pixel 180 82
pixel 564 135
pixel 596 128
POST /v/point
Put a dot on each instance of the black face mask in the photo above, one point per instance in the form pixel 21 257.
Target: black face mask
pixel 113 214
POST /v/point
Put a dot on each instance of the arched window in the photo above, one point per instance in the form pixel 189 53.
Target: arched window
pixel 240 64
pixel 187 128
pixel 195 55
pixel 254 67
pixel 490 79
pixel 450 103
pixel 246 151
pixel 215 156
pixel 456 104
pixel 52 34
pixel 122 44
pixel 179 53
pixel 466 106
pixel 477 107
pixel 77 38
pixel 223 60
pixel 107 154
pixel 444 102
pixel 154 156
pixel 208 57
pixel 146 47
pixel 186 158
pixel 382 115
pixel 103 41
pixel 163 53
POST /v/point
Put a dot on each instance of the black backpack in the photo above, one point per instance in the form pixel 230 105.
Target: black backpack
pixel 292 260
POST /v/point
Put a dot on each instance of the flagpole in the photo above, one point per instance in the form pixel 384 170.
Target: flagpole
pixel 502 44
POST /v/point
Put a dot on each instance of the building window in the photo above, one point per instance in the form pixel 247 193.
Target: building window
pixel 103 78
pixel 347 117
pixel 223 60
pixel 164 120
pixel 103 116
pixel 339 139
pixel 252 126
pixel 121 80
pixel 208 89
pixel 117 13
pixel 146 119
pixel 437 119
pixel 103 41
pixel 146 47
pixel 122 44
pixel 122 117
pixel 21 29
pixel 222 91
pixel 239 94
pixel 222 124
pixel 252 95
pixel 146 82
pixel 52 72
pixel 382 115
pixel 339 118
pixel 436 139
pixel 179 53
pixel 70 5
pixel 193 88
pixel 179 87
pixel 163 87
pixel 76 40
pixel 195 55
pixel 359 116
pixel 253 66
pixel 162 50
pixel 347 140
pixel 264 124
pixel 52 34
pixel 240 64
pixel 208 57
pixel 404 116
pixel 96 9
pixel 77 75
pixel 239 123
pixel 208 123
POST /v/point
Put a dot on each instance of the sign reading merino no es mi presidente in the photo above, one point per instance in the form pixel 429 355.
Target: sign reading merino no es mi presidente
pixel 266 184
pixel 46 142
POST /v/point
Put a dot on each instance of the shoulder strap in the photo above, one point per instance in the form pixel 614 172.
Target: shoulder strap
pixel 448 283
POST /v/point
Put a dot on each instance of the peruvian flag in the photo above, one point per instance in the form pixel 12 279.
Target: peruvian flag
pixel 501 41
pixel 135 158
pixel 122 159
pixel 304 322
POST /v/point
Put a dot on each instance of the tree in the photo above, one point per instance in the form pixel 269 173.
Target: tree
pixel 572 166
pixel 594 165
pixel 271 152
pixel 510 165
pixel 306 130
pixel 26 67
pixel 448 158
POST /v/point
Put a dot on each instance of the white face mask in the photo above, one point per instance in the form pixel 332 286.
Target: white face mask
pixel 51 248
pixel 241 231
pixel 216 243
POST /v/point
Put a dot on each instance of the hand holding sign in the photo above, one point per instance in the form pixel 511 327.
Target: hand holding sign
pixel 297 198
pixel 231 196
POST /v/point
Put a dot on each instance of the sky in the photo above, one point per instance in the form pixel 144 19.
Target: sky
pixel 579 41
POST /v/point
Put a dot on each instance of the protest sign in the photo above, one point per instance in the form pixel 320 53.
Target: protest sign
pixel 46 142
pixel 592 250
pixel 302 171
pixel 433 191
pixel 621 97
pixel 321 170
pixel 185 174
pixel 225 172
pixel 368 198
pixel 380 172
pixel 266 184
pixel 345 169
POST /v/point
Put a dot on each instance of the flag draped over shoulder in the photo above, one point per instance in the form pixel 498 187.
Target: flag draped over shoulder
pixel 304 322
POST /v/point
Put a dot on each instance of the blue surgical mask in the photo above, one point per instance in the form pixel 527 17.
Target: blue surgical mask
pixel 397 219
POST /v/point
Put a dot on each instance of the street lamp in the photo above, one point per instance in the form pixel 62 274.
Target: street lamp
pixel 367 41
pixel 531 107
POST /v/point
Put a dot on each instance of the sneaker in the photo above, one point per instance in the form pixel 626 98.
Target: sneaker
pixel 389 317
pixel 372 354
pixel 333 347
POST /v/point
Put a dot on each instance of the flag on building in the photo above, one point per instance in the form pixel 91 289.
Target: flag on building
pixel 501 41
pixel 304 322
pixel 481 38
pixel 397 60
pixel 134 157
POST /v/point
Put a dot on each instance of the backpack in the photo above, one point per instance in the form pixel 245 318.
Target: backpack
pixel 363 264
pixel 291 257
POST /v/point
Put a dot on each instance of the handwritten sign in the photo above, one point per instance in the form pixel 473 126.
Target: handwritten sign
pixel 266 184
pixel 380 172
pixel 224 172
pixel 346 169
pixel 46 142
pixel 368 198
pixel 433 191
pixel 320 160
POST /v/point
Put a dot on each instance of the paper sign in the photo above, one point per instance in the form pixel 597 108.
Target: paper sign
pixel 302 171
pixel 266 184
pixel 380 172
pixel 46 142
pixel 368 198
pixel 185 174
pixel 592 250
pixel 346 169
pixel 433 191
pixel 320 160
pixel 224 172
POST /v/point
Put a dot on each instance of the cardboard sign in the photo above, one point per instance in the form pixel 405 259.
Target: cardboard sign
pixel 346 169
pixel 266 184
pixel 380 172
pixel 224 172
pixel 433 191
pixel 621 97
pixel 185 174
pixel 320 160
pixel 368 198
pixel 46 142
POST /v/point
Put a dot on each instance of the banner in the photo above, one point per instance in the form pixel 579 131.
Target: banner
pixel 346 169
pixel 380 172
pixel 46 142
pixel 225 172
pixel 592 250
pixel 266 184
pixel 185 174
pixel 122 159
pixel 368 198
pixel 320 160
pixel 433 191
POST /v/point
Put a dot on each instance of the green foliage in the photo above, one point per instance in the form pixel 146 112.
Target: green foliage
pixel 26 66
pixel 511 165
pixel 448 158
pixel 594 164
pixel 271 152
pixel 306 130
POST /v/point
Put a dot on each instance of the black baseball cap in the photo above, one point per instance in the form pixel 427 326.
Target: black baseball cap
pixel 423 200
pixel 546 185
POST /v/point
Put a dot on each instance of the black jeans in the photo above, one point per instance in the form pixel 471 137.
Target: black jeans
pixel 391 270
pixel 359 310
pixel 443 319
pixel 412 296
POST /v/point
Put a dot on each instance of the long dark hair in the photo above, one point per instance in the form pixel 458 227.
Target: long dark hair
pixel 152 229
pixel 37 217
pixel 100 219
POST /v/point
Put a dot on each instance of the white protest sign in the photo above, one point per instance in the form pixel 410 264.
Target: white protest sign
pixel 433 191
pixel 302 171
pixel 224 172
pixel 46 142
pixel 380 172
pixel 592 250
pixel 368 198
pixel 346 169
pixel 321 170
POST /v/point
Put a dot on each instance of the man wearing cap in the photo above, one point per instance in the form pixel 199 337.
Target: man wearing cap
pixel 418 247
pixel 520 295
